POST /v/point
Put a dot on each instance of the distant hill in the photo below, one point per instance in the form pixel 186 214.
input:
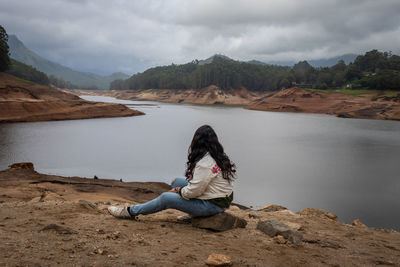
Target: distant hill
pixel 85 80
pixel 328 62
pixel 212 58
pixel 217 70
pixel 374 70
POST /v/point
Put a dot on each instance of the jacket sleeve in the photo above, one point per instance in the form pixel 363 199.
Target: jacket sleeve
pixel 202 176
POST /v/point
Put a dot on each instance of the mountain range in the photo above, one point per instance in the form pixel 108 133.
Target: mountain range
pixel 88 80
pixel 84 80
pixel 328 62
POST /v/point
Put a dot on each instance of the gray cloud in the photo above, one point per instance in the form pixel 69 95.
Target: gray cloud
pixel 107 36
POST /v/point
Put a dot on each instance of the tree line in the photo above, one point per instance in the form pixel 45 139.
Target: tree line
pixel 374 70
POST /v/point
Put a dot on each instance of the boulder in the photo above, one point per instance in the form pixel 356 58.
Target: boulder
pixel 358 223
pixel 274 228
pixel 23 165
pixel 218 260
pixel 89 205
pixel 295 226
pixel 219 222
pixel 318 213
pixel 272 208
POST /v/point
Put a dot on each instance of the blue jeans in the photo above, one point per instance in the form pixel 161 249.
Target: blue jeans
pixel 169 200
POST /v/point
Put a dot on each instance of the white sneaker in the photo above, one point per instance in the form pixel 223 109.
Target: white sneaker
pixel 184 218
pixel 119 212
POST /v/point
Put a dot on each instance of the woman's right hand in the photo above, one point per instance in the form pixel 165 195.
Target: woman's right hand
pixel 175 190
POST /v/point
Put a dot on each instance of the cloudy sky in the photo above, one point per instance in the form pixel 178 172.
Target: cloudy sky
pixel 130 35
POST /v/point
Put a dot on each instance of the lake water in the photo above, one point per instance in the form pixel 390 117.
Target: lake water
pixel 349 167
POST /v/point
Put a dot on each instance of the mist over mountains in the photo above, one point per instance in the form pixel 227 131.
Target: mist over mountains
pixel 85 80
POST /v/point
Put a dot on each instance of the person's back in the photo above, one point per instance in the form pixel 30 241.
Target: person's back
pixel 207 181
pixel 207 189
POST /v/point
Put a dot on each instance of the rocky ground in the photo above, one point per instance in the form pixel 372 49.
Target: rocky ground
pixel 51 220
pixel 23 101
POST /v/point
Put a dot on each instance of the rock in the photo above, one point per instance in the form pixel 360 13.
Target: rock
pixel 234 208
pixel 59 229
pixel 253 216
pixel 100 231
pixel 274 228
pixel 358 223
pixel 47 196
pixel 294 226
pixel 319 213
pixel 272 208
pixel 219 222
pixel 287 213
pixel 218 260
pixel 116 235
pixel 35 200
pixel 280 239
pixel 242 207
pixel 296 238
pixel 88 205
pixel 23 165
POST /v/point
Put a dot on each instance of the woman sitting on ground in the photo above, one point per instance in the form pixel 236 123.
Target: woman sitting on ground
pixel 207 189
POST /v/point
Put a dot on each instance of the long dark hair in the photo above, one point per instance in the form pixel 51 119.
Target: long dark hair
pixel 206 140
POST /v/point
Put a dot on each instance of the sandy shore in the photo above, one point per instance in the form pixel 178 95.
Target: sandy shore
pixel 48 220
pixel 22 101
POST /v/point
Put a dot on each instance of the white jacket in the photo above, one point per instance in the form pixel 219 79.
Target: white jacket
pixel 207 181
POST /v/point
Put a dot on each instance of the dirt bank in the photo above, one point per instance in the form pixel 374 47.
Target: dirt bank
pixel 22 101
pixel 367 106
pixel 44 221
pixel 211 95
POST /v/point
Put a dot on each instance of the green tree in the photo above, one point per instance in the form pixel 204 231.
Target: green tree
pixel 300 69
pixel 4 50
pixel 283 84
pixel 340 66
pixel 372 61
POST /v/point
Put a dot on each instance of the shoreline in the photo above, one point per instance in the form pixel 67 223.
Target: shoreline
pixel 296 100
pixel 22 101
pixel 66 222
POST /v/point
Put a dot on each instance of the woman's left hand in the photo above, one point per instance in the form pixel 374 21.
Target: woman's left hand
pixel 175 190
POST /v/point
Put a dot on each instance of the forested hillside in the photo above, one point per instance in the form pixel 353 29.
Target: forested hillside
pixel 66 76
pixel 27 72
pixel 374 70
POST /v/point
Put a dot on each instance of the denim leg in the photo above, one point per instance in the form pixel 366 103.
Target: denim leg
pixel 179 182
pixel 170 200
